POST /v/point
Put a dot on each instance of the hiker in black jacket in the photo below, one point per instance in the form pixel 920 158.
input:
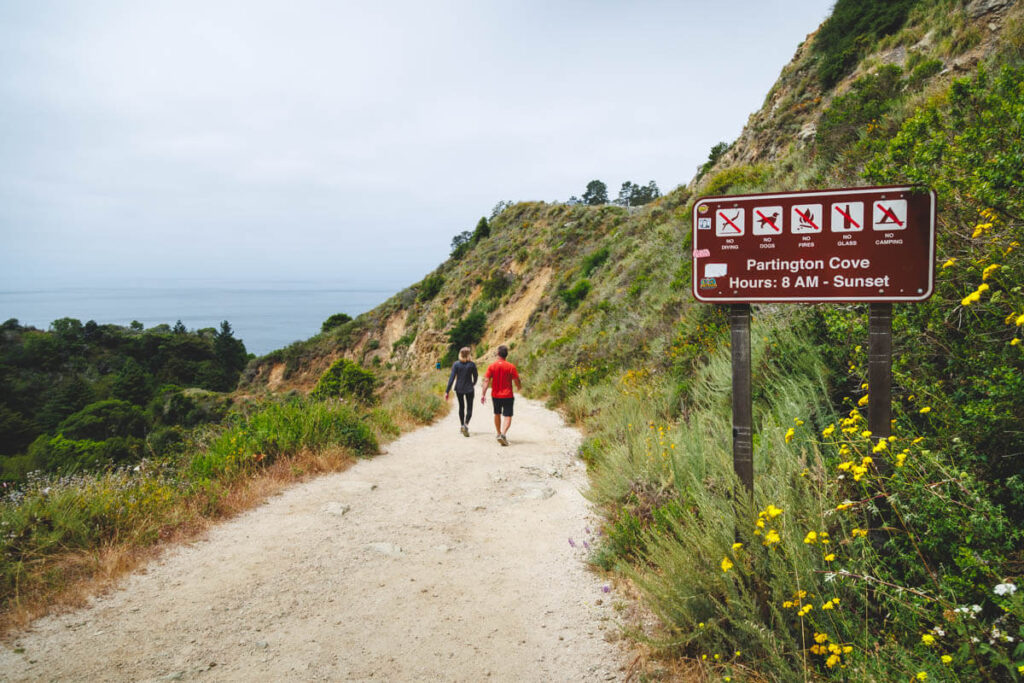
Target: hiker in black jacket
pixel 464 377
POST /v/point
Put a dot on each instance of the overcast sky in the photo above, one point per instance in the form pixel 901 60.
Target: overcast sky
pixel 347 141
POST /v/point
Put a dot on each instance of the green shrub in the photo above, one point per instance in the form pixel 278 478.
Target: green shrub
pixel 430 287
pixel 404 341
pixel 594 260
pixel 336 320
pixel 496 285
pixel 346 379
pixel 466 332
pixel 575 294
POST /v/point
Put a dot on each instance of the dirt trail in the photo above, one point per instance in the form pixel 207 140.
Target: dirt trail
pixel 447 559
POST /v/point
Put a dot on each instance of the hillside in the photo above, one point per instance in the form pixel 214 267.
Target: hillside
pixel 857 558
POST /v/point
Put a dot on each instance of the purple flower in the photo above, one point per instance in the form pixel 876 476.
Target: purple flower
pixel 586 545
pixel 606 589
pixel 572 543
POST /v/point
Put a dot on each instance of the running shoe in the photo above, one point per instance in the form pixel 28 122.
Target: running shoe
pixel 502 440
pixel 465 430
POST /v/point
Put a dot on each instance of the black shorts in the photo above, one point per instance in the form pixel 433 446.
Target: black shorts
pixel 503 406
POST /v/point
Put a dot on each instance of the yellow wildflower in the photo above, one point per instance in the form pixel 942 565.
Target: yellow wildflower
pixel 843 506
pixel 811 537
pixel 946 659
pixel 804 610
pixel 928 639
pixel 917 440
pixel 866 433
pixel 821 637
pixel 900 458
pixel 789 434
pixel 1019 321
pixel 800 594
pixel 788 604
pixel 798 421
pixel 922 675
pixel 1015 341
pixel 736 546
pixel 772 512
pixel 971 298
pixel 832 661
pixel 880 446
pixel 863 400
pixel 830 557
pixel 726 564
pixel 925 410
pixel 859 532
pixel 949 262
pixel 771 537
pixel 988 271
pixel 828 431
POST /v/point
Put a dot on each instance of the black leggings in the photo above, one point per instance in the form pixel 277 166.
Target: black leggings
pixel 465 407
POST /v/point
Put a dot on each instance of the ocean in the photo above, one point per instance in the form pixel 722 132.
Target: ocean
pixel 264 316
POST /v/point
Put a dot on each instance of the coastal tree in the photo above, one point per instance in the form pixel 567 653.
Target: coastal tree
pixel 596 194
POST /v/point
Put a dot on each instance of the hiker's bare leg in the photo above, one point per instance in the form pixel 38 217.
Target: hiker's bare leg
pixel 506 422
pixel 497 423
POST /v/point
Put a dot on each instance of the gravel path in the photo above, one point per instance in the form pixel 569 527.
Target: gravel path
pixel 448 559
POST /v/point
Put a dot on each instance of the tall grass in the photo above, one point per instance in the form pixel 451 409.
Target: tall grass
pixel 846 561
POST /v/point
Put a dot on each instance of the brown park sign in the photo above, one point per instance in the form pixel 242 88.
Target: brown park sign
pixel 858 244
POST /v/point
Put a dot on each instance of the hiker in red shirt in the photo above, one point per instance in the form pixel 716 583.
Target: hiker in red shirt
pixel 501 374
